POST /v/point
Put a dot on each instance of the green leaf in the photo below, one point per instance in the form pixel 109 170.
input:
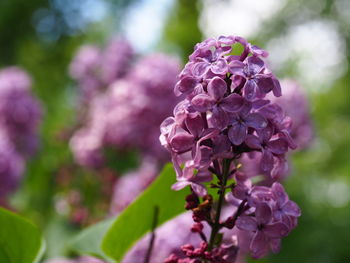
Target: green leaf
pixel 20 240
pixel 88 242
pixel 137 219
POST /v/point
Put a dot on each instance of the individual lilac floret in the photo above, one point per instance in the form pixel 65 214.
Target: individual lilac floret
pixel 20 112
pixel 271 216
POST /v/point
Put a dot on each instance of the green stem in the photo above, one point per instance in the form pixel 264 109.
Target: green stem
pixel 216 225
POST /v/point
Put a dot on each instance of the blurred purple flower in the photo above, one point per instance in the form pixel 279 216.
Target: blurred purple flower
pixel 130 185
pixel 20 117
pixel 11 167
pixel 295 104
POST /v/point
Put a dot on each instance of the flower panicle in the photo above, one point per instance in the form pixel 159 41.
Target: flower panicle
pixel 226 113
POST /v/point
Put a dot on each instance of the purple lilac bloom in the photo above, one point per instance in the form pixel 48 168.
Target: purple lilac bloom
pixel 127 115
pixel 295 104
pixel 226 113
pixel 11 167
pixel 140 103
pixel 130 185
pixel 20 116
pixel 95 68
pixel 217 103
pixel 20 112
pixel 115 60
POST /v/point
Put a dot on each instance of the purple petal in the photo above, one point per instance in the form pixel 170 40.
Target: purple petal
pixel 199 189
pixel 232 103
pixel 292 209
pixel 258 246
pixel 226 40
pixel 203 156
pixel 277 91
pixel 250 89
pixel 219 66
pixel 276 230
pixel 265 84
pixel 266 162
pixel 240 191
pixel 278 146
pixel 275 245
pixel 185 85
pixel 280 194
pixel 237 133
pixel 253 142
pixel 200 68
pixel 202 102
pixel 257 104
pixel 182 142
pixel 256 121
pixel 266 133
pixel 203 176
pixel 236 67
pixel 263 213
pixel 166 125
pixel 218 118
pixel 217 88
pixel 255 65
pixel 180 185
pixel 257 51
pixel 247 223
pixel 194 124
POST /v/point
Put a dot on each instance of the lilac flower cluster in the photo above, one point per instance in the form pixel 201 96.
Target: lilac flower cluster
pixel 95 69
pixel 130 185
pixel 20 116
pixel 295 104
pixel 128 113
pixel 225 114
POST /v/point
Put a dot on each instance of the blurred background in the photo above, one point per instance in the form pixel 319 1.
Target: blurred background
pixel 308 41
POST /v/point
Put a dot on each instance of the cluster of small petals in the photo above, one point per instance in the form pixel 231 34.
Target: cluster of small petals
pixel 295 104
pixel 128 113
pixel 230 111
pixel 224 111
pixel 95 68
pixel 270 217
pixel 20 117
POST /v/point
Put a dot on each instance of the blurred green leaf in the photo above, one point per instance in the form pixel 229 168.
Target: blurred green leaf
pixel 20 240
pixel 136 220
pixel 88 242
